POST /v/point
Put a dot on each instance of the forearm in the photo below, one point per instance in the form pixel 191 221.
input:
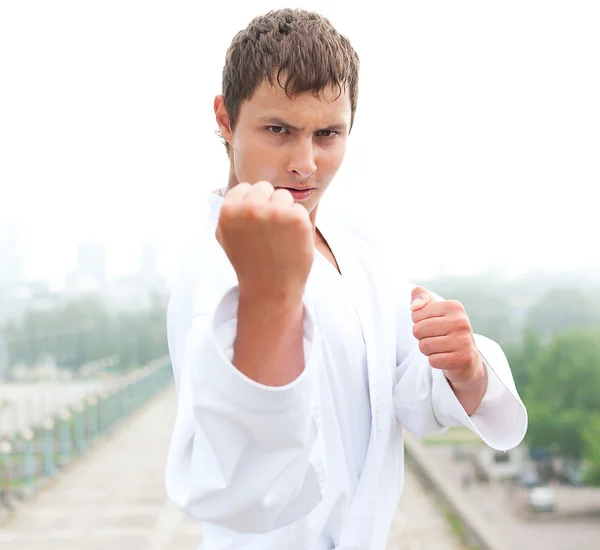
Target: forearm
pixel 269 342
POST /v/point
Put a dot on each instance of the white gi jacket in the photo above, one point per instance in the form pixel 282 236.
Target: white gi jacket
pixel 263 468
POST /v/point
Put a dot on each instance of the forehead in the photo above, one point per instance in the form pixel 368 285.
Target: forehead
pixel 328 107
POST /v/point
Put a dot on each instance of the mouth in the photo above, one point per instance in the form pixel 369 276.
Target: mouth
pixel 299 194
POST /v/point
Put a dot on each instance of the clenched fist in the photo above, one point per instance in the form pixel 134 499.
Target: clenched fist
pixel 268 239
pixel 446 338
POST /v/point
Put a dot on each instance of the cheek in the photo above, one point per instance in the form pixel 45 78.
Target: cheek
pixel 255 160
pixel 332 160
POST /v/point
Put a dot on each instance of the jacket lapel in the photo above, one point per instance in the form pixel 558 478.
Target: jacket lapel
pixel 359 525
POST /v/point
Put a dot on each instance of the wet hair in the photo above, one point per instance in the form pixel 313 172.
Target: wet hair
pixel 297 49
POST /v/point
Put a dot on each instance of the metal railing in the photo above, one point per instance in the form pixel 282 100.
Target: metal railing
pixel 33 456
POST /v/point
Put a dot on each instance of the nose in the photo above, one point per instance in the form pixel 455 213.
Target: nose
pixel 302 161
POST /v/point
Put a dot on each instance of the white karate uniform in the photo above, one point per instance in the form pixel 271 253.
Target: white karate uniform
pixel 317 464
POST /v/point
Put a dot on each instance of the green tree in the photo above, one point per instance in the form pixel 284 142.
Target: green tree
pixel 84 330
pixel 562 391
pixel 562 309
pixel 522 356
pixel 591 437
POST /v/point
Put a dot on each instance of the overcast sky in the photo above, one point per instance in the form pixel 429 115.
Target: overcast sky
pixel 477 138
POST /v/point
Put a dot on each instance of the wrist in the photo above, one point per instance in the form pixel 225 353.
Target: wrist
pixel 269 295
pixel 269 302
pixel 474 377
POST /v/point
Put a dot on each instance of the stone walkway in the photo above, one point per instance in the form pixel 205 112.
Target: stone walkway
pixel 114 499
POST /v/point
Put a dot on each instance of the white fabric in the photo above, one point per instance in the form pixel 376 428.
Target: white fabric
pixel 345 358
pixel 270 468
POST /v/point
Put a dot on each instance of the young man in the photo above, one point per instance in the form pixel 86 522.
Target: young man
pixel 298 355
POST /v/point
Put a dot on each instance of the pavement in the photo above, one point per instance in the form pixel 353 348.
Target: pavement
pixel 113 498
pixel 502 509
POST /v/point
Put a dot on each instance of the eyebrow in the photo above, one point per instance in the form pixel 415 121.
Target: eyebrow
pixel 337 127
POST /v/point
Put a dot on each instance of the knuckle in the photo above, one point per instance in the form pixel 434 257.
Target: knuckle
pixel 256 210
pixel 435 362
pixel 460 341
pixel 282 192
pixel 423 347
pixel 464 358
pixel 299 216
pixel 463 323
pixel 265 184
pixel 278 214
pixel 454 305
pixel 283 196
pixel 263 189
pixel 228 210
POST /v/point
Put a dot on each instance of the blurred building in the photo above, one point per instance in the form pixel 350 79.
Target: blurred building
pixel 11 256
pixel 90 273
pixel 4 359
pixel 141 289
pixel 17 295
pixel 28 296
pixel 148 260
pixel 490 464
pixel 91 262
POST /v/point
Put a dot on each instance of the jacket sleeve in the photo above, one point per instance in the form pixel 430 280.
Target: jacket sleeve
pixel 243 456
pixel 426 404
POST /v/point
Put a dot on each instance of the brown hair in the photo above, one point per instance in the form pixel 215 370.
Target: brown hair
pixel 298 49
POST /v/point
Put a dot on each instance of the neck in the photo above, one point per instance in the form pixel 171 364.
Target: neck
pixel 233 181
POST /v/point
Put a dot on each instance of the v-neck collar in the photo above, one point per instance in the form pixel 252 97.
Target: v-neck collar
pixel 326 236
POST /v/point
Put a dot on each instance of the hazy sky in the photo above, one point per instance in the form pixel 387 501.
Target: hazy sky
pixel 477 137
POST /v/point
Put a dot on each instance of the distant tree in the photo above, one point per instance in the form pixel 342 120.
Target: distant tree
pixel 84 330
pixel 591 437
pixel 521 357
pixel 562 309
pixel 562 391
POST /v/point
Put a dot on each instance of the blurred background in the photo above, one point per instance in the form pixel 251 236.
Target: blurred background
pixel 475 148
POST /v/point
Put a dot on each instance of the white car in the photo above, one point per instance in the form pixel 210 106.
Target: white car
pixel 541 499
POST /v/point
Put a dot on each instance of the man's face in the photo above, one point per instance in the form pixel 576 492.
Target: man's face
pixel 298 144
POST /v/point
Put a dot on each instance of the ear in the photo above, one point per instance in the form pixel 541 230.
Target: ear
pixel 222 118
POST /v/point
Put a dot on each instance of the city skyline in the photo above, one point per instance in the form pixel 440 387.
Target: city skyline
pixel 89 259
pixel 469 150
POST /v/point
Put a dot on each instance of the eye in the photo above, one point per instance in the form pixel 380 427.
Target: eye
pixel 327 133
pixel 276 129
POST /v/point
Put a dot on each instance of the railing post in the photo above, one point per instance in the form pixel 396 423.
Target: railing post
pixel 102 413
pixel 110 405
pixel 15 419
pixel 28 459
pixel 30 412
pixel 92 418
pixel 124 391
pixel 66 440
pixel 79 427
pixel 117 405
pixel 49 463
pixel 6 473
